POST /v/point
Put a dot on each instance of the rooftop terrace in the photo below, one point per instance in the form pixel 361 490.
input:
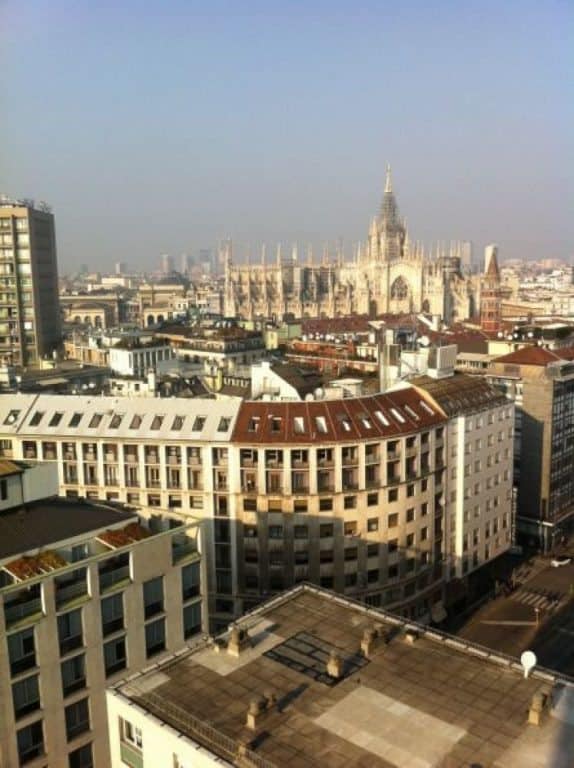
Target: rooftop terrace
pixel 318 696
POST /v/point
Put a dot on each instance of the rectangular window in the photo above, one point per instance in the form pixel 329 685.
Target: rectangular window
pixel 112 614
pixel 350 502
pixel 75 420
pixel 191 620
pixel 77 718
pixel 130 734
pixel 372 499
pixel 393 495
pixel 325 505
pixel 81 758
pixel 70 633
pixel 393 520
pixel 190 581
pixel 153 596
pixel 30 742
pixel 115 658
pixel 73 674
pixel 155 637
pixel 26 696
pixel 372 524
pixel 21 651
pixel 326 531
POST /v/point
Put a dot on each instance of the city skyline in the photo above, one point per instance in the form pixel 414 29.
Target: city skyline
pixel 264 125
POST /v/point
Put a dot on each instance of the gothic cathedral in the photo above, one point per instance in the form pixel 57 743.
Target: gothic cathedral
pixel 389 274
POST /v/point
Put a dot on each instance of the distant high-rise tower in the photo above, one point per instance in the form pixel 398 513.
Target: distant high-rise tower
pixel 165 264
pixel 30 326
pixel 120 268
pixel 185 265
pixel 490 307
pixel 466 257
pixel 206 261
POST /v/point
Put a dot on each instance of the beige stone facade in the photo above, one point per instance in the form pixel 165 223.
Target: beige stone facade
pixel 389 273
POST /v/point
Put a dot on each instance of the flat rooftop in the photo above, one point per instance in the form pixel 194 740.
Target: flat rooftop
pixel 47 522
pixel 432 702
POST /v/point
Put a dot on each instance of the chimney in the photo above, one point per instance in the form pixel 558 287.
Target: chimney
pixel 258 707
pixel 373 638
pixel 541 702
pixel 238 641
pixel 335 666
pixel 411 636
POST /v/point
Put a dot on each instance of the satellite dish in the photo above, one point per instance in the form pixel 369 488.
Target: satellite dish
pixel 424 341
pixel 528 661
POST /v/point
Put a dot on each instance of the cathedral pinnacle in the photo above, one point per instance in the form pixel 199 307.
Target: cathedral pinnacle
pixel 388 180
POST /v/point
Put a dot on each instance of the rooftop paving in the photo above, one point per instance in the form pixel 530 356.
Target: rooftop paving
pixel 431 702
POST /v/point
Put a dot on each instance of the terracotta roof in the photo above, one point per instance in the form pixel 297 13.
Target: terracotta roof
pixel 345 420
pixel 8 468
pixel 532 355
pixel 304 380
pixel 460 393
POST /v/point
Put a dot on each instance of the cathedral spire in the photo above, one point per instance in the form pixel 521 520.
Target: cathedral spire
pixel 388 180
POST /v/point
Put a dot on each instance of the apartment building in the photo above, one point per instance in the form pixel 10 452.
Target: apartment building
pixel 315 680
pixel 347 493
pixel 541 383
pixel 88 593
pixel 136 357
pixel 478 494
pixel 29 305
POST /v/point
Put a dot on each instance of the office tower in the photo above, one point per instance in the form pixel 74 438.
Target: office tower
pixel 206 261
pixel 184 264
pixel 30 327
pixel 120 268
pixel 166 264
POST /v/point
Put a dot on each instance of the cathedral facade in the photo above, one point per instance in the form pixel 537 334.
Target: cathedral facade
pixel 389 274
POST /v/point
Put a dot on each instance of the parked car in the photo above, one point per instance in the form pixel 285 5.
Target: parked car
pixel 557 562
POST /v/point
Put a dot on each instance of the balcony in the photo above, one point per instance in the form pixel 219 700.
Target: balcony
pixel 114 575
pixel 70 591
pixel 183 550
pixel 23 608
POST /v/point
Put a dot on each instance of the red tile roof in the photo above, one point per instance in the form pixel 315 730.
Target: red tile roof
pixel 345 420
pixel 533 355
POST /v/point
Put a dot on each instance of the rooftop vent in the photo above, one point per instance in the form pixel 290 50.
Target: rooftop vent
pixel 258 707
pixel 539 706
pixel 238 642
pixel 373 638
pixel 335 666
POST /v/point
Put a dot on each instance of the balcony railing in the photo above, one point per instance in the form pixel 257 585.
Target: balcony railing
pixel 181 551
pixel 112 577
pixel 71 591
pixel 16 612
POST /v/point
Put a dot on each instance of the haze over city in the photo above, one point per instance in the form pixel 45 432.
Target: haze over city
pixel 153 130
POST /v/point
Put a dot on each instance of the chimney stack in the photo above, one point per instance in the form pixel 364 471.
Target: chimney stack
pixel 335 666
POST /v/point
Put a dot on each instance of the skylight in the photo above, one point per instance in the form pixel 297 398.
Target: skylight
pixel 116 420
pixel 321 424
pixel 411 413
pixel 253 424
pixel 224 423
pixel 198 423
pixel 11 418
pixel 156 422
pixel 36 418
pixel 398 416
pixel 299 424
pixel 136 421
pixel 426 407
pixel 382 418
pixel 75 420
pixel 178 423
pixel 95 420
pixel 56 419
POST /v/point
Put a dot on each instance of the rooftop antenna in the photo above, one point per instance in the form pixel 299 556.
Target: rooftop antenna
pixel 528 660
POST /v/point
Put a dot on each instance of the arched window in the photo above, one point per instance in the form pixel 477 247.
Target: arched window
pixel 399 289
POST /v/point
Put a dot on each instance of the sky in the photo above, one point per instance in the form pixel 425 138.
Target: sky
pixel 163 127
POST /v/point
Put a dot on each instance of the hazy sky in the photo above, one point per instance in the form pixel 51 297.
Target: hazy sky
pixel 163 126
